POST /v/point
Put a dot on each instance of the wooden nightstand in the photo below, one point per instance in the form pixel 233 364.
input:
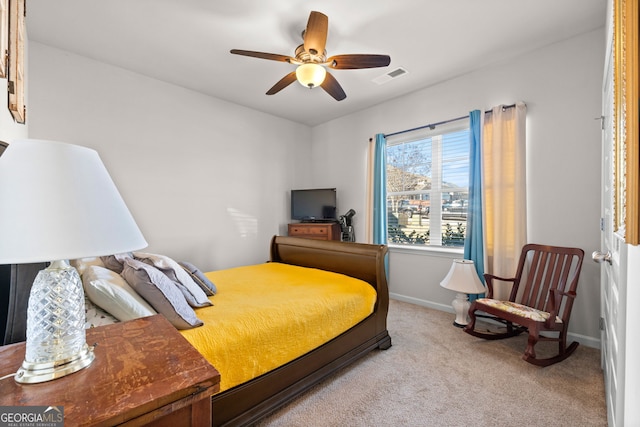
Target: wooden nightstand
pixel 144 372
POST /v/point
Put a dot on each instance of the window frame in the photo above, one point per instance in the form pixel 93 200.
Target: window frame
pixel 15 61
pixel 4 37
pixel 434 133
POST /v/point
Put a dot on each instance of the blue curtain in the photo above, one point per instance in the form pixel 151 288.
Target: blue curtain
pixel 473 243
pixel 380 195
pixel 380 190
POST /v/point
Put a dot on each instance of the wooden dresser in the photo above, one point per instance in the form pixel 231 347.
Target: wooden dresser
pixel 144 372
pixel 316 230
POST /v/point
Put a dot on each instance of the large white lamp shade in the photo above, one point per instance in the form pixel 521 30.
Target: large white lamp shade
pixel 58 202
pixel 463 279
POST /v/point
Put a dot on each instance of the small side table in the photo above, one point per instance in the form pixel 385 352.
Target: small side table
pixel 144 372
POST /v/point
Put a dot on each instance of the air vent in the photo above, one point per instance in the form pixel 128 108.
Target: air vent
pixel 394 74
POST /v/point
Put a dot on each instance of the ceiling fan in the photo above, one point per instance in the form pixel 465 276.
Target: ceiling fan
pixel 311 59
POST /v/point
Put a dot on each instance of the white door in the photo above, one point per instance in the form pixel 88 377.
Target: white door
pixel 612 255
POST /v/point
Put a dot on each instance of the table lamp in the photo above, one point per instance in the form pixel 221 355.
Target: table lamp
pixel 58 202
pixel 463 279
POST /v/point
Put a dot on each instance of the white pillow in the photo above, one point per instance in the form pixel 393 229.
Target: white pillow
pixel 95 316
pixel 192 292
pixel 108 290
pixel 81 264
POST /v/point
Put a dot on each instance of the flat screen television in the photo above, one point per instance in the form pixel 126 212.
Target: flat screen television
pixel 314 205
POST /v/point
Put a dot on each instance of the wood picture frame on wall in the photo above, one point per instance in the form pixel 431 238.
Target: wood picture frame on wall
pixel 15 60
pixel 626 121
pixel 4 36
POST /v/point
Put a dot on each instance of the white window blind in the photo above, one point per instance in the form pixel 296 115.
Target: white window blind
pixel 428 185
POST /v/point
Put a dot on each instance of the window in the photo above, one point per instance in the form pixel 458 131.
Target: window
pixel 428 186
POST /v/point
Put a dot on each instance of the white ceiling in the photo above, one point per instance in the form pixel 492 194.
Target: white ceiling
pixel 187 42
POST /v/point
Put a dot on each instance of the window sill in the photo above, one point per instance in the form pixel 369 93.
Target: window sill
pixel 439 251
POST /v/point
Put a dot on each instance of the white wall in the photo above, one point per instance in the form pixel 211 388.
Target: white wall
pixel 206 180
pixel 561 86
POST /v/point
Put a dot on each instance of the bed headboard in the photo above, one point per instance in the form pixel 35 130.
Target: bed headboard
pixel 15 286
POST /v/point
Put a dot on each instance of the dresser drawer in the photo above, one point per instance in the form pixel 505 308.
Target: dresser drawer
pixel 310 230
pixel 321 231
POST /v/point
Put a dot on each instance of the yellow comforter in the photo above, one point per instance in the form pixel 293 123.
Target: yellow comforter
pixel 268 314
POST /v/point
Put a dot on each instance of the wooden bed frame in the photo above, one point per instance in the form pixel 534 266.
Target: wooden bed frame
pixel 253 400
pixel 249 402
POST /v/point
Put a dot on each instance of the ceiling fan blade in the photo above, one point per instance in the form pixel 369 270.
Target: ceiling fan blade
pixel 284 82
pixel 356 61
pixel 262 55
pixel 315 35
pixel 333 88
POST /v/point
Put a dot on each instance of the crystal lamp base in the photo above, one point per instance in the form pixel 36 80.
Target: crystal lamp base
pixel 31 373
pixel 56 342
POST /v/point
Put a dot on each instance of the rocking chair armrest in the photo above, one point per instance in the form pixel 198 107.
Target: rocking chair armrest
pixel 556 300
pixel 488 278
pixel 562 293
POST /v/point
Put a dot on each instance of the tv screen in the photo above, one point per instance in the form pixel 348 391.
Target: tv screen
pixel 317 204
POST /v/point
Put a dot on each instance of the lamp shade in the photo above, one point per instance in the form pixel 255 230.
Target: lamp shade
pixel 311 75
pixel 57 201
pixel 462 277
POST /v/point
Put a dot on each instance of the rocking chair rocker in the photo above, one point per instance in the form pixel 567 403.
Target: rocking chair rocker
pixel 549 276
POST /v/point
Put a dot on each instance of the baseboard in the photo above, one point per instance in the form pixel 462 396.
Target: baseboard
pixel 582 339
pixel 424 303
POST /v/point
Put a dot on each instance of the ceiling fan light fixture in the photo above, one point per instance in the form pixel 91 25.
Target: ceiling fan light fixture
pixel 311 75
pixel 311 59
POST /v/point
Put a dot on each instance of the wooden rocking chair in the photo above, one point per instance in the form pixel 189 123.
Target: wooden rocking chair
pixel 541 299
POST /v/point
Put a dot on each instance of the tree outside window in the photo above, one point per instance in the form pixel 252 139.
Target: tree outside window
pixel 428 187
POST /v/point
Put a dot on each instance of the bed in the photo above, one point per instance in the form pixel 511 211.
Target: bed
pixel 249 401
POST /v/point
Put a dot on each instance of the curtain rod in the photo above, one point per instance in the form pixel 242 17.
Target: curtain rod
pixel 433 125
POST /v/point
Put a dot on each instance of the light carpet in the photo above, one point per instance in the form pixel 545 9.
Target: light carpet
pixel 437 375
